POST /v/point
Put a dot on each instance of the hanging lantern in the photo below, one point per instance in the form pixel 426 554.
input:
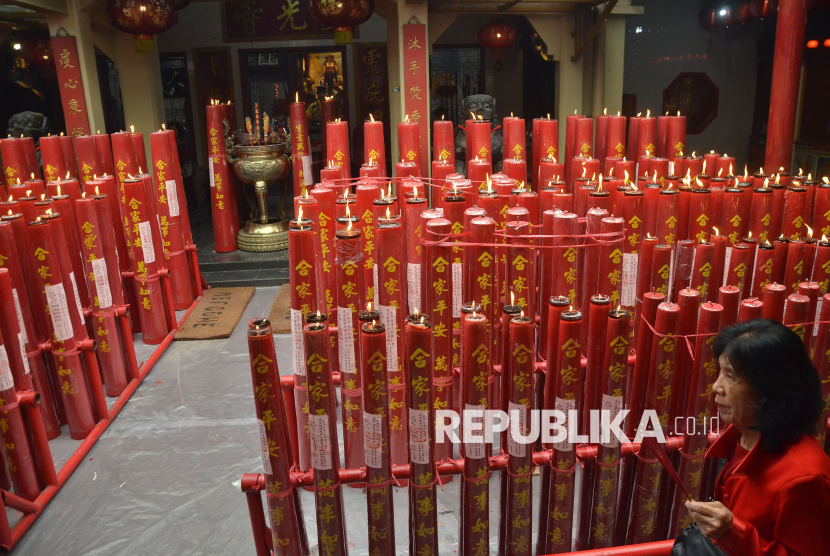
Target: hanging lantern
pixel 497 35
pixel 343 15
pixel 142 18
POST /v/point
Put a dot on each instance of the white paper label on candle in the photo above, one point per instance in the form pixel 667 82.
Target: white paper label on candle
pixel 413 283
pixel 375 285
pixel 637 173
pixel 308 174
pixel 211 175
pixel 77 295
pixel 345 340
pixel 671 279
pixel 6 379
pixel 818 314
pixel 726 264
pixel 419 436
pixel 263 447
pixel 476 449
pixel 26 369
pixel 146 236
pixel 372 439
pixel 318 426
pixel 297 341
pixel 388 316
pixel 172 197
pixel 515 411
pixel 456 290
pixel 59 311
pixel 19 315
pixel 102 285
pixel 628 292
pixel 613 405
pixel 565 406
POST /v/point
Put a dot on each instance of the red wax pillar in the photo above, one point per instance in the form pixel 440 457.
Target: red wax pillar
pixel 374 148
pixel 789 45
pixel 54 168
pixel 337 146
pixel 225 226
pixel 676 139
pixel 514 138
pixel 69 160
pixel 300 149
pixel 443 143
pixel 409 145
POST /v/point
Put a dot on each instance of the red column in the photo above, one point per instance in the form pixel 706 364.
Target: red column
pixel 786 67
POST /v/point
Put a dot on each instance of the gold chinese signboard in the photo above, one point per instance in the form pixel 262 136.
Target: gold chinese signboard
pixel 271 20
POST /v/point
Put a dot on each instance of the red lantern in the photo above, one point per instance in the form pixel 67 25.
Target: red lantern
pixel 343 15
pixel 497 35
pixel 39 52
pixel 142 18
pixel 763 8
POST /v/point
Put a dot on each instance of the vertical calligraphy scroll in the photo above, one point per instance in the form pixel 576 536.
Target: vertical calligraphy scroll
pixel 415 89
pixel 71 86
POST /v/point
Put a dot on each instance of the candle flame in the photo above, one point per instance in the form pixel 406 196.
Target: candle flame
pixel 416 312
pixel 132 129
pixel 639 114
pixel 18 181
pixel 59 190
pixel 704 168
pixel 511 113
pixel 373 323
pixel 648 113
pixel 300 214
pixel 825 180
pixel 96 190
pixel 809 231
pixel 634 187
pixel 297 96
pixel 454 189
pixel 369 306
pixel 522 314
pixel 760 171
pixel 512 298
pixel 11 197
pixel 521 185
pixel 575 113
pixel 10 213
pixel 371 117
pixel 388 214
pixel 730 168
pixel 42 196
pixel 611 173
pixel 67 174
pixel 406 119
pixel 717 233
pixel 471 114
pixel 823 237
pixel 750 235
pixel 599 188
pixel 605 111
pixel 38 219
pixel 680 153
pixel 49 212
pixel 777 180
pixel 654 178
pixel 422 319
pixel 584 169
pixel 554 160
pixel 349 227
pixel 720 171
pixel 809 177
pixel 648 153
pixel 693 154
pixel 442 119
pixel 415 191
pixel 667 113
pixel 490 184
pixel 28 194
pixel 83 195
pixel 766 183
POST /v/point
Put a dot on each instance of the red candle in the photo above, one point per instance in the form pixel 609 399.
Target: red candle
pixel 270 414
pixel 724 165
pixel 763 269
pixel 751 309
pixel 646 136
pixel 54 168
pixel 703 279
pixel 482 276
pixel 795 269
pixel 443 143
pixel 102 142
pixel 106 329
pixel 329 112
pixel 699 221
pixel 794 199
pixel 796 313
pixel 739 269
pixel 69 159
pixel 662 144
pixel 73 390
pixel 479 142
pixel 601 141
pixel 651 199
pixel 760 216
pixel 676 140
pixel 515 168
pixel 590 263
pixel 15 164
pixel 215 130
pixel 661 269
pixel 89 161
pixel 565 276
pixel 440 170
pixel 731 221
pixel 667 217
pixel 438 306
pixel 615 142
pixel 710 163
pixel 774 301
pixel 406 169
pixel 811 290
pixel 570 145
pixel 679 166
pixel 225 226
pixel 779 259
pixel 625 170
pixel 337 146
pixel 520 273
pixel 584 137
pixel 366 171
pixel 374 149
pixel 514 138
pixel 548 141
pixel 599 199
pixel 563 458
pixel 151 308
pixel 694 166
pixel 63 205
pixel 478 169
pixel 409 145
pixel 419 367
pixel 139 152
pixel 821 265
pixel 300 149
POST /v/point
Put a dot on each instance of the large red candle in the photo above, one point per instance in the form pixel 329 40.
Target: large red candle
pixel 795 269
pixel 69 160
pixel 794 200
pixel 584 140
pixel 760 214
pixel 763 269
pixel 676 137
pixel 739 269
pixel 443 142
pixel 145 254
pixel 615 141
pixel 699 219
pixel 329 112
pixel 409 145
pixel 479 141
pixel 63 205
pixel 225 226
pixel 515 168
pixel 731 221
pixel 667 217
pixel 15 165
pixel 703 280
pixel 374 149
pixel 89 161
pixel 337 146
pixel 514 138
pixel 270 413
pixel 300 149
pixel 601 141
pixel 549 143
pixel 662 144
pixel 646 136
pixel 54 168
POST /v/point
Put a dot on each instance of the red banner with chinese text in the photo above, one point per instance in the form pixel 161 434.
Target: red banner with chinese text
pixel 415 90
pixel 71 86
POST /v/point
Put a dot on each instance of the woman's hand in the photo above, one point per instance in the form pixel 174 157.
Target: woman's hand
pixel 712 518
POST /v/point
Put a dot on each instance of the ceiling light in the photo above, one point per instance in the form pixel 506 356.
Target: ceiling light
pixel 17 46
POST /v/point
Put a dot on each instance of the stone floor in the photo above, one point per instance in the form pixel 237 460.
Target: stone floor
pixel 164 478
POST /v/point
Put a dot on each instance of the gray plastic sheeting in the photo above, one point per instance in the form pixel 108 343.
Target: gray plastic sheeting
pixel 164 478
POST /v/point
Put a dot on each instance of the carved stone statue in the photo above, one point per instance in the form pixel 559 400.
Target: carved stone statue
pixel 29 124
pixel 484 106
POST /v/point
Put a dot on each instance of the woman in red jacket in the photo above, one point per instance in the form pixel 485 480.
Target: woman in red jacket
pixel 773 496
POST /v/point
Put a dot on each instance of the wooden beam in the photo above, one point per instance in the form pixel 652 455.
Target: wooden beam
pixel 45 7
pixel 482 7
pixel 597 26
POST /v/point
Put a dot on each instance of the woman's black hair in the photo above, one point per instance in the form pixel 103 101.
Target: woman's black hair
pixel 774 361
